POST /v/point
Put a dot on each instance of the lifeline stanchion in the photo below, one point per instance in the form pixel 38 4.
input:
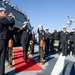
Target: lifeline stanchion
pixel 31 44
pixel 41 52
pixel 10 50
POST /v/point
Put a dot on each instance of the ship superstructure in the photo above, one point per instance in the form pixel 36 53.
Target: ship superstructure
pixel 20 17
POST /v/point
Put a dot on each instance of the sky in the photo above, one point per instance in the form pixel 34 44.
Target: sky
pixel 52 14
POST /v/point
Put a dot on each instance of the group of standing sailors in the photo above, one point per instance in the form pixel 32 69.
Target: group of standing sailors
pixel 58 41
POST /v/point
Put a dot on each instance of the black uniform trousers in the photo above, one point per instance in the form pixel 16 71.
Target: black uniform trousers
pixel 64 48
pixel 25 50
pixel 47 47
pixel 74 49
pixel 32 48
pixel 2 57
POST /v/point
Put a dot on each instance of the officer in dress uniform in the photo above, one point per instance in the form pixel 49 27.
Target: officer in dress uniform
pixel 71 42
pixel 33 39
pixel 51 43
pixel 10 34
pixel 59 32
pixel 5 22
pixel 73 37
pixel 47 41
pixel 64 38
pixel 41 33
pixel 25 39
pixel 32 42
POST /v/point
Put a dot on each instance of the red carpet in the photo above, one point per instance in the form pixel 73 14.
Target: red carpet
pixel 20 64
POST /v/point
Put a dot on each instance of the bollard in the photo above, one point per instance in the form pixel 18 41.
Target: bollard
pixel 41 52
pixel 10 50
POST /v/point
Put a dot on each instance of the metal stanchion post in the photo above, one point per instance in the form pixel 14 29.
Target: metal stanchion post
pixel 10 50
pixel 41 52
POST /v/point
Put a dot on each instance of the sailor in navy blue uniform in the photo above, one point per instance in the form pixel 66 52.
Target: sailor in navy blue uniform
pixel 4 24
pixel 64 38
pixel 25 39
pixel 47 41
pixel 73 37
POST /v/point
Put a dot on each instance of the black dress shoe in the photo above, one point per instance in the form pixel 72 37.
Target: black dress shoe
pixel 63 55
pixel 25 61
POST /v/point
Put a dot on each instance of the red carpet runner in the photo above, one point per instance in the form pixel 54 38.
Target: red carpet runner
pixel 20 64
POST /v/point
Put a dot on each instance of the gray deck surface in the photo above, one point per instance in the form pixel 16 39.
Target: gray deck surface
pixel 47 68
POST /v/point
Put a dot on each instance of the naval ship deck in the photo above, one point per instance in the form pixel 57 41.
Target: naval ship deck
pixel 55 64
